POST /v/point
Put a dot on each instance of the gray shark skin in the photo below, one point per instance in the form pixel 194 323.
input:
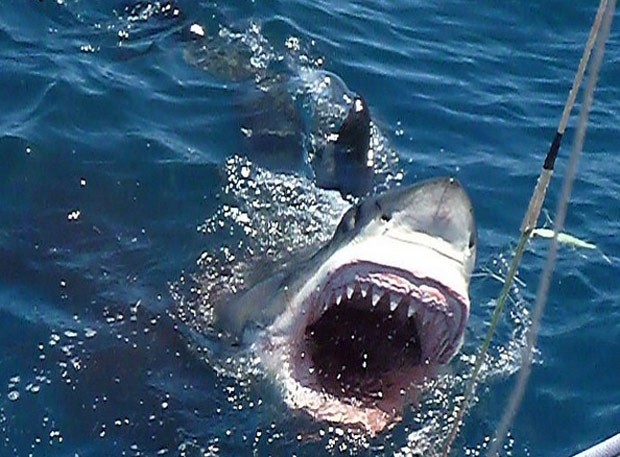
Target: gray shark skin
pixel 350 334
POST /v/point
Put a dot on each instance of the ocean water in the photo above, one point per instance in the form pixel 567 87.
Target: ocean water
pixel 123 183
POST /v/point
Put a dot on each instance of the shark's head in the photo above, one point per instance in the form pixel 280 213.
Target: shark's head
pixel 350 333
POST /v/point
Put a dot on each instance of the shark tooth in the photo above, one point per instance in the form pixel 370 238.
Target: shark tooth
pixel 376 296
pixel 349 292
pixel 410 310
pixel 364 289
pixel 394 301
pixel 338 298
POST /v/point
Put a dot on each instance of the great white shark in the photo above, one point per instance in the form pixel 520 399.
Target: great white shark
pixel 350 333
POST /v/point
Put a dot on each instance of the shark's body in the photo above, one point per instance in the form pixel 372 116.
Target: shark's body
pixel 289 115
pixel 291 118
pixel 351 331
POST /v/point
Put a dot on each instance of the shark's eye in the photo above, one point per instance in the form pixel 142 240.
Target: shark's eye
pixel 472 240
pixel 385 217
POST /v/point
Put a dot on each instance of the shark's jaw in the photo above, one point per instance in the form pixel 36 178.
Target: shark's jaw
pixel 363 333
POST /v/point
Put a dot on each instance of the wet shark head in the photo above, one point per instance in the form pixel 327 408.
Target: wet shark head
pixel 351 333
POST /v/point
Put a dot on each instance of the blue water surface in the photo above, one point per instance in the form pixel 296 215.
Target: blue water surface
pixel 114 151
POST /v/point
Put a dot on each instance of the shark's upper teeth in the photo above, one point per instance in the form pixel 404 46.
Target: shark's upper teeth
pixel 410 310
pixel 394 301
pixel 371 294
pixel 376 295
pixel 349 291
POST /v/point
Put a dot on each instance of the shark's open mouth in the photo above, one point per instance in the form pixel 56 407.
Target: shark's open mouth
pixel 351 333
pixel 370 336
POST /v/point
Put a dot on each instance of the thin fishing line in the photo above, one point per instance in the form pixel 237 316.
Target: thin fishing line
pixel 528 224
pixel 562 209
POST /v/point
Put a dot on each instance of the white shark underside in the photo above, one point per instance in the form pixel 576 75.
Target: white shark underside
pixel 350 333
